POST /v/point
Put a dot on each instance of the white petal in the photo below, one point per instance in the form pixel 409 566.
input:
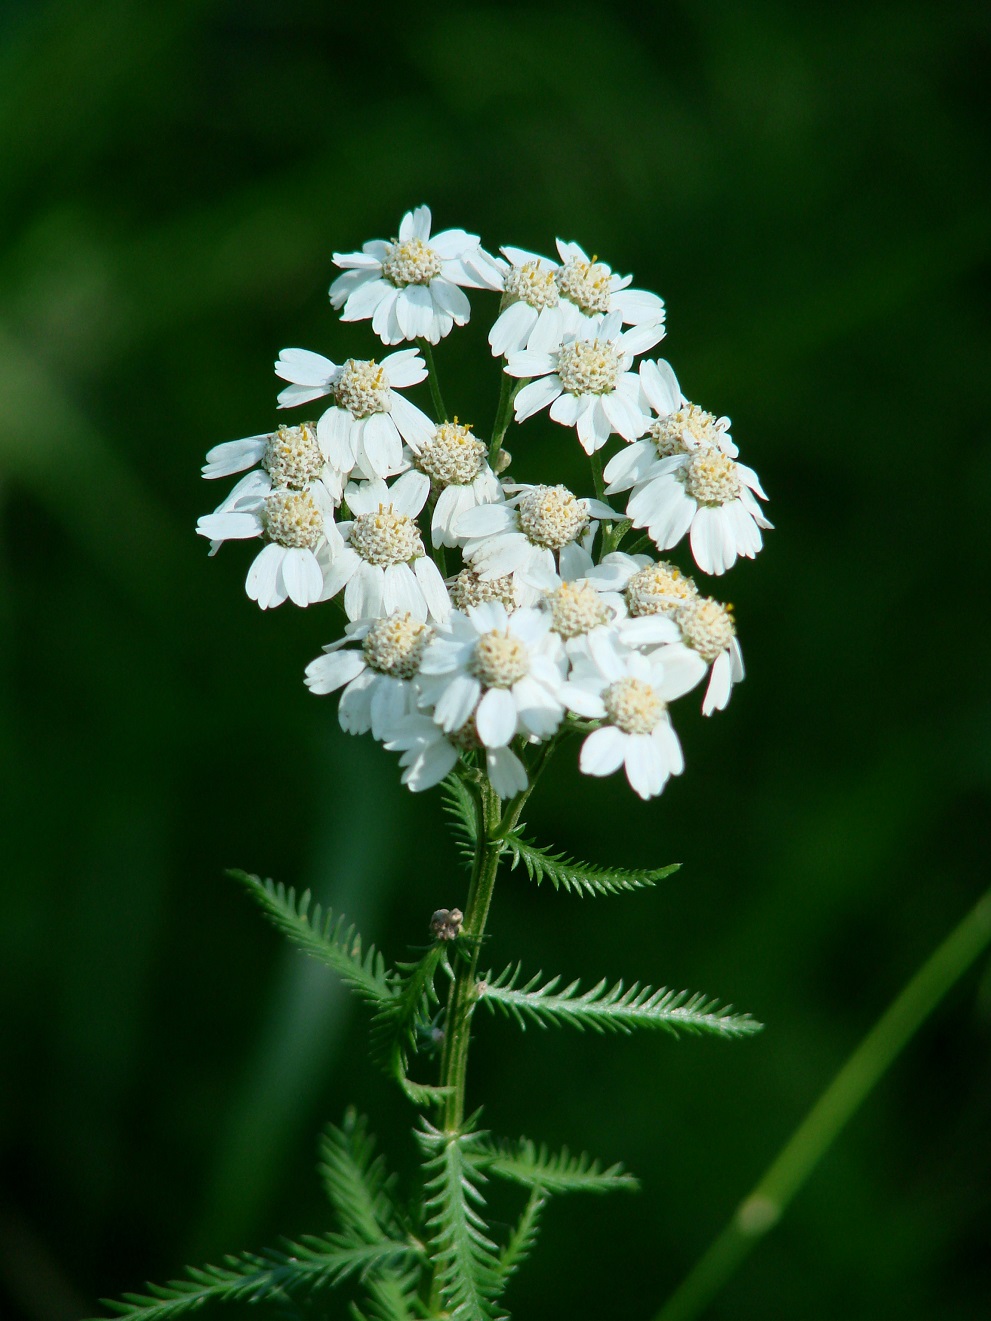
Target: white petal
pixel 401 593
pixel 433 588
pixel 390 702
pixel 603 751
pixel 303 367
pixel 535 396
pixel 301 576
pixel 645 766
pixel 456 702
pixel 495 718
pixel 355 708
pixel 413 424
pixel 229 526
pixel 720 684
pixel 408 493
pixel 403 368
pixel 380 444
pixel 328 673
pixel 261 581
pixel 506 772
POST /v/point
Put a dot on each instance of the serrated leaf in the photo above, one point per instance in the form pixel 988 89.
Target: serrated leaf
pixel 274 1276
pixel 459 804
pixel 558 1172
pixel 356 1181
pixel 398 1020
pixel 618 1008
pixel 581 878
pixel 323 936
pixel 465 1258
pixel 392 1298
pixel 522 1240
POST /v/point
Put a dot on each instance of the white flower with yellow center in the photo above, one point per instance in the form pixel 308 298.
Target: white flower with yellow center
pixel 428 754
pixel 295 524
pixel 679 427
pixel 378 557
pixel 530 536
pixel 590 288
pixel 708 630
pixel 629 692
pixel 531 315
pixel 456 462
pixel 289 455
pixel 505 670
pixel 412 288
pixel 366 425
pixel 706 491
pixel 376 675
pixel 587 381
pixel 468 589
pixel 705 630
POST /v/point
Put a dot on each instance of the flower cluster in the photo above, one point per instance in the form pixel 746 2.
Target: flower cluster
pixel 546 626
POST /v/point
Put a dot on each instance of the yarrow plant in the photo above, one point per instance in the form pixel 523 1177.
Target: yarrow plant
pixel 483 622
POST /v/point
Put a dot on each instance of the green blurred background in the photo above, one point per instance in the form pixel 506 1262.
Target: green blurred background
pixel 808 188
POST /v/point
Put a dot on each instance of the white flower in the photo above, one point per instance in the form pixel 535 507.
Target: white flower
pixel 708 629
pixel 376 676
pixel 429 754
pixel 529 535
pixel 296 525
pixel 593 289
pixel 456 462
pixel 366 425
pixel 504 669
pixel 468 589
pixel 379 558
pixel 705 631
pixel 531 315
pixel 290 455
pixel 630 693
pixel 708 492
pixel 680 426
pixel 587 381
pixel 410 287
pixel 544 300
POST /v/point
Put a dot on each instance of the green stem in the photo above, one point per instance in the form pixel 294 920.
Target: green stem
pixel 762 1209
pixel 461 1004
pixel 426 348
pixel 595 459
pixel 508 391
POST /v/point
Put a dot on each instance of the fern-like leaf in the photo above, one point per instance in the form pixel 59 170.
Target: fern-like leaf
pixel 392 1298
pixel 323 936
pixel 273 1276
pixel 559 1172
pixel 613 1009
pixel 356 1182
pixel 399 1019
pixel 522 1240
pixel 465 1258
pixel 581 878
pixel 458 803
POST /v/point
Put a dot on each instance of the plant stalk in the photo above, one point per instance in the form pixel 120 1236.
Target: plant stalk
pixel 426 348
pixel 461 1000
pixel 761 1210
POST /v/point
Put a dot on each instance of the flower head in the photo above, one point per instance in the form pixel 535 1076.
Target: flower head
pixel 587 382
pixel 412 288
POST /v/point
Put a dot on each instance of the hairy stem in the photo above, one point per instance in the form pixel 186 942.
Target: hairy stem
pixel 761 1210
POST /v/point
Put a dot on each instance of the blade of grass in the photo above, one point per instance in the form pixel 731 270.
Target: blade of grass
pixel 760 1211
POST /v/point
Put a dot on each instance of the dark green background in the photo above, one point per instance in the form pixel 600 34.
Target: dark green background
pixel 808 188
